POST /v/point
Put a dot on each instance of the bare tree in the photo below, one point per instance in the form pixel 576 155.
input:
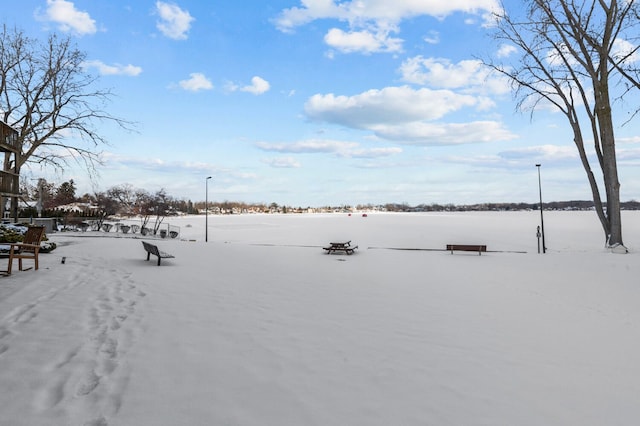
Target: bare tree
pixel 161 202
pixel 125 195
pixel 143 208
pixel 46 94
pixel 572 55
pixel 107 206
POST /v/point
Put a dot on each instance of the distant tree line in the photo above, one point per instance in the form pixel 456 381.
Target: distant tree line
pixel 127 201
pixel 123 200
pixel 553 205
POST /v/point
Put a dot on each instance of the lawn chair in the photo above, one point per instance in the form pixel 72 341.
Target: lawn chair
pixel 29 248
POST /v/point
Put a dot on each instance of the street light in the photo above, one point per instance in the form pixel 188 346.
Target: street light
pixel 544 247
pixel 206 210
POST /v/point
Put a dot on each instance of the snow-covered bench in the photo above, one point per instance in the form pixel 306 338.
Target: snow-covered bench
pixel 153 250
pixel 467 247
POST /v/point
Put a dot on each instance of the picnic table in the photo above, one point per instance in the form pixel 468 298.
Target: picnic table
pixel 340 246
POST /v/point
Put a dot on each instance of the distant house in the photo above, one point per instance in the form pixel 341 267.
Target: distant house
pixel 77 208
pixel 9 176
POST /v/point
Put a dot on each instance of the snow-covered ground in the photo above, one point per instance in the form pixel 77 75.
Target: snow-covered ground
pixel 260 327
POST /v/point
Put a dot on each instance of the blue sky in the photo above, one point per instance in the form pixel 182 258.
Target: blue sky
pixel 314 102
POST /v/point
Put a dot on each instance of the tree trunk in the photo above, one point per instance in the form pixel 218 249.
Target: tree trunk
pixel 612 186
pixel 595 190
pixel 597 200
pixel 610 168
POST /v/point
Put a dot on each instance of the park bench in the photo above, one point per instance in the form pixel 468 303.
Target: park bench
pixel 340 246
pixel 467 247
pixel 152 249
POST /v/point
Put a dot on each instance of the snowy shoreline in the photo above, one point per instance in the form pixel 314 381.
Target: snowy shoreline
pixel 260 327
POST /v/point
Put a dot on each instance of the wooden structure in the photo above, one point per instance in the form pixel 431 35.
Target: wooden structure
pixel 344 246
pixel 153 250
pixel 467 247
pixel 9 176
pixel 29 248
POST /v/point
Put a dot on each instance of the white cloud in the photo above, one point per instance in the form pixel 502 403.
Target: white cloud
pixel 627 156
pixel 625 51
pixel 311 10
pixel 519 158
pixel 434 134
pixel 324 146
pixel 432 38
pixel 556 57
pixel 469 75
pixel 174 22
pixel 362 41
pixel 506 50
pixel 258 86
pixel 153 170
pixel 371 22
pixel 546 153
pixel 378 10
pixel 310 146
pixel 196 82
pixel 375 152
pixel 115 69
pixel 69 19
pixel 389 105
pixel 409 116
pixel 282 162
pixel 230 86
pixel 628 140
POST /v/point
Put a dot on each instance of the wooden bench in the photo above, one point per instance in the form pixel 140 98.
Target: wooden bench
pixel 467 247
pixel 340 246
pixel 153 250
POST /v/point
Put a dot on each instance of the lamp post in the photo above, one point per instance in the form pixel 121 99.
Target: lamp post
pixel 206 209
pixel 544 247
